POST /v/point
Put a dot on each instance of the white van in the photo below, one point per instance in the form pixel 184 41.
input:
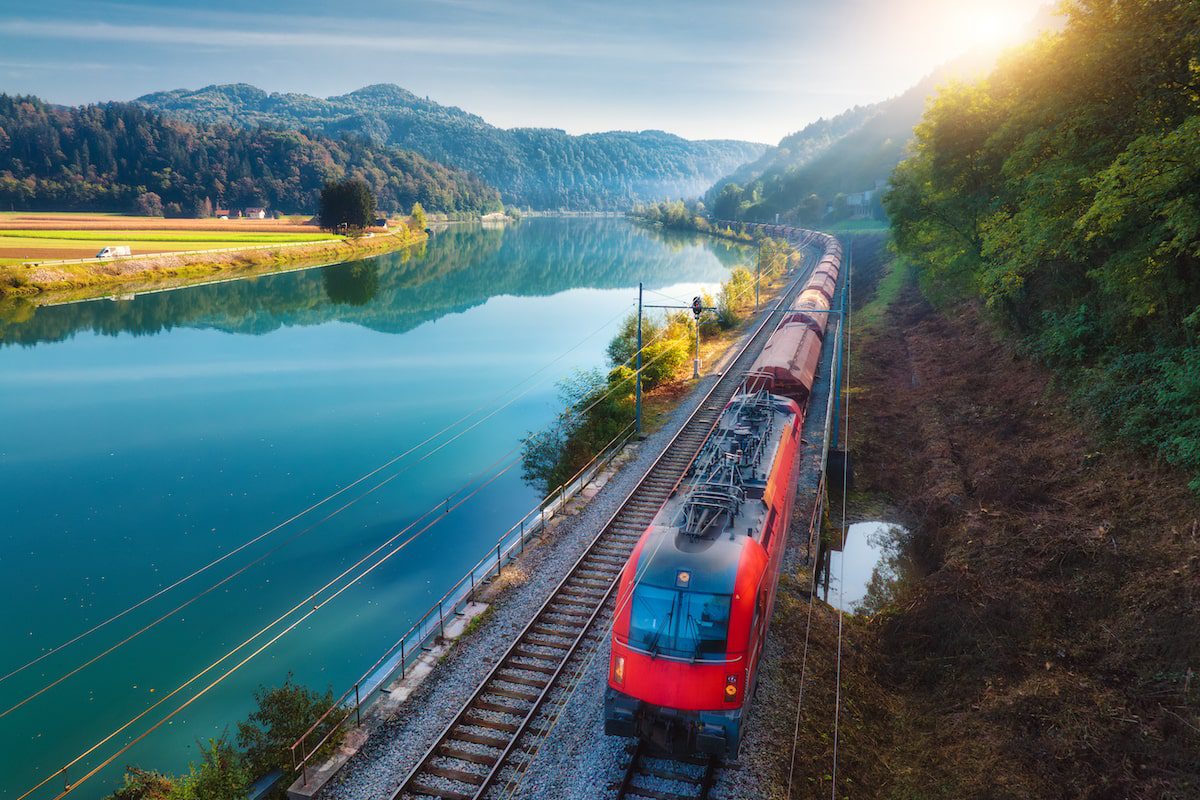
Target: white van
pixel 114 251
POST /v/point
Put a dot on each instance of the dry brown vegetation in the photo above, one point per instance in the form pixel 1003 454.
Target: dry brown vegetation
pixel 1052 649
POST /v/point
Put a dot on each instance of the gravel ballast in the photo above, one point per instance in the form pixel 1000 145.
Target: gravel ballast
pixel 394 748
pixel 573 758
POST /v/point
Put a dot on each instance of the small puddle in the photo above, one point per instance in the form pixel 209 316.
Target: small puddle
pixel 874 563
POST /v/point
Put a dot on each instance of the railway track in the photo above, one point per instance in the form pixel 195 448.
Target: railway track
pixel 468 757
pixel 653 778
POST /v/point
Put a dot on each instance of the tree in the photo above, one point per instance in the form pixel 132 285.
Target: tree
pixel 284 713
pixel 727 202
pixel 416 220
pixel 347 204
pixel 202 207
pixel 148 204
pixel 354 284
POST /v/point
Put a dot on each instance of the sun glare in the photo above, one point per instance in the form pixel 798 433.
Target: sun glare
pixel 990 26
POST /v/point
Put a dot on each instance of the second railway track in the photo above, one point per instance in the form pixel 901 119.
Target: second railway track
pixel 472 751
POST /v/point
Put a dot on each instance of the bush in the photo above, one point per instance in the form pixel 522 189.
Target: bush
pixel 140 784
pixel 148 204
pixel 221 774
pixel 284 713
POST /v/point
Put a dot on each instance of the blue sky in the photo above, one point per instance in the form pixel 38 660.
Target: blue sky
pixel 702 69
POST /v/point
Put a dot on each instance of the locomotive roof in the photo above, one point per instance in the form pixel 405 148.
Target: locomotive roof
pixel 719 507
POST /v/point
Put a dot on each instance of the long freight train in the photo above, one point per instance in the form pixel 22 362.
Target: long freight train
pixel 696 594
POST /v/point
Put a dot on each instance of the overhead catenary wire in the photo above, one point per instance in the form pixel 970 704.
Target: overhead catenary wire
pixel 837 703
pixel 428 440
pixel 440 506
pixel 292 626
pixel 818 515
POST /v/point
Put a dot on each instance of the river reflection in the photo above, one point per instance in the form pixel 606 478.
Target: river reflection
pixel 146 437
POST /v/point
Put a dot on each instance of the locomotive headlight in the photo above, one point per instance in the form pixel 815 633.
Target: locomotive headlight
pixel 619 670
pixel 731 688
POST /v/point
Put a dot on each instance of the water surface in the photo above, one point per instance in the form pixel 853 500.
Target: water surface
pixel 146 437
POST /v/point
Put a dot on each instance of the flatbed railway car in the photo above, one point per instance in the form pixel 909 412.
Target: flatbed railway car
pixel 696 595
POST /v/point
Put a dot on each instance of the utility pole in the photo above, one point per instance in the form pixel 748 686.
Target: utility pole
pixel 757 277
pixel 638 390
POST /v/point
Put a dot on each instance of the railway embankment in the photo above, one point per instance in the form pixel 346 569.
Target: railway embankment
pixel 51 282
pixel 399 736
pixel 1050 647
pixel 399 741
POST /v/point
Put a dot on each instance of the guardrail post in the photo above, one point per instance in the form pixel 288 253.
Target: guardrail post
pixel 441 624
pixel 471 596
pixel 401 659
pixel 357 707
pixel 497 559
pixel 521 537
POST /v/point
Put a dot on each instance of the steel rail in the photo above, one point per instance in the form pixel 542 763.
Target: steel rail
pixel 580 597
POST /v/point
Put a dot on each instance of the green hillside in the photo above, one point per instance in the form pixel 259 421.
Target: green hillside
pixel 542 168
pixel 103 157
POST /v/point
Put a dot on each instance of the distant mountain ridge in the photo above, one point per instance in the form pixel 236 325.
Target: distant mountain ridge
pixel 543 168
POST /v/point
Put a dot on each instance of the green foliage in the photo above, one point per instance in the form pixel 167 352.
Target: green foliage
pixel 222 774
pixel 283 715
pixel 1064 190
pixel 540 168
pixel 140 784
pixel 417 217
pixel 347 204
pixel 148 204
pixel 103 157
pixel 598 407
pixel 815 169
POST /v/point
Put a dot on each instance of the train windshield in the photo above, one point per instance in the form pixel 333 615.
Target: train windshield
pixel 683 624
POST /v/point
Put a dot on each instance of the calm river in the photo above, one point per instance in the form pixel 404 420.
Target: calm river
pixel 143 438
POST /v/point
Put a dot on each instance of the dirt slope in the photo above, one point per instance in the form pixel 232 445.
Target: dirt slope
pixel 1053 649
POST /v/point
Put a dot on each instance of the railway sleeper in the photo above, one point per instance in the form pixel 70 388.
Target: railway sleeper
pixel 654 794
pixel 449 751
pixel 531 667
pixel 481 722
pixel 520 680
pixel 422 790
pixel 461 776
pixel 484 739
pixel 523 653
pixel 511 694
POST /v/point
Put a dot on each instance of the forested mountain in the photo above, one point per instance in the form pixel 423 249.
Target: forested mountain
pixel 543 168
pixel 103 157
pixel 1064 190
pixel 807 178
pixel 794 151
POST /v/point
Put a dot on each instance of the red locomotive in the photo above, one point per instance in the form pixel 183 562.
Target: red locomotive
pixel 696 594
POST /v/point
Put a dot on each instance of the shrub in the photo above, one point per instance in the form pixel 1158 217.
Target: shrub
pixel 284 713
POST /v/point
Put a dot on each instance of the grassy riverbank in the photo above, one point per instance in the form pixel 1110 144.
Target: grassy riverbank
pixel 55 283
